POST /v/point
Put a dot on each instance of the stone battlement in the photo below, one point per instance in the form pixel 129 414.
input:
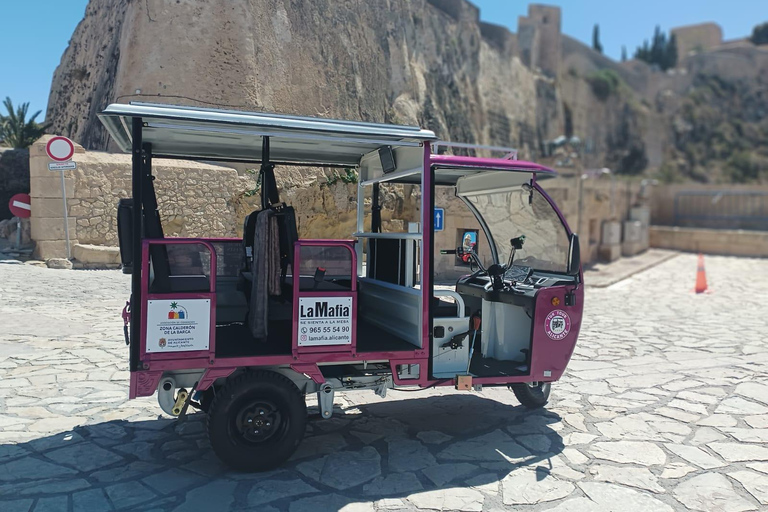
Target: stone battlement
pixel 699 37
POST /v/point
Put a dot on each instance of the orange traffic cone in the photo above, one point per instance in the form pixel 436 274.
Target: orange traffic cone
pixel 701 276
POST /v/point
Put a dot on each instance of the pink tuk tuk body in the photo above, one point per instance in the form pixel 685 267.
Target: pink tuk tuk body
pixel 215 324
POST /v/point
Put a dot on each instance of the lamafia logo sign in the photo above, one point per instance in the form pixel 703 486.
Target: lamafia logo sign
pixel 325 321
pixel 178 325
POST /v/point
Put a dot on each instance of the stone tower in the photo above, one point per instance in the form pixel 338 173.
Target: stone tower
pixel 538 36
pixel 697 38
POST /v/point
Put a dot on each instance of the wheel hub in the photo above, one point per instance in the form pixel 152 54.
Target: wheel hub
pixel 258 421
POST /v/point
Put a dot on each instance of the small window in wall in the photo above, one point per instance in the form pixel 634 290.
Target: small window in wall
pixel 594 231
pixel 467 240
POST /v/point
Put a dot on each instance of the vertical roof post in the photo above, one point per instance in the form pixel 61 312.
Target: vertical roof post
pixel 269 194
pixel 137 169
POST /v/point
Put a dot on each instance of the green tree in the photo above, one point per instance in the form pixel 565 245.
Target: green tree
pixel 604 82
pixel 670 54
pixel 760 34
pixel 661 51
pixel 742 167
pixel 596 45
pixel 658 48
pixel 16 130
pixel 623 53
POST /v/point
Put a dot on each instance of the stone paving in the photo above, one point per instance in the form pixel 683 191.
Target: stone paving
pixel 664 407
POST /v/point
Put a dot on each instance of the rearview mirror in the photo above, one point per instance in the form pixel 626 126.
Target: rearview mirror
pixel 574 256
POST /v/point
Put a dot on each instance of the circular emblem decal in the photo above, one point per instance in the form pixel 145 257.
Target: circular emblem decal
pixel 557 324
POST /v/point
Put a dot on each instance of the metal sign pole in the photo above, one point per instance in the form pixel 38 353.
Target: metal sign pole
pixel 66 214
pixel 61 150
pixel 18 232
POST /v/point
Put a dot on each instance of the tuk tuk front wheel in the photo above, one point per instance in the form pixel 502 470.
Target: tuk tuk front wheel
pixel 532 395
pixel 256 421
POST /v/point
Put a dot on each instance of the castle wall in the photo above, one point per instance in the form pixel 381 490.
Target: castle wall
pixel 693 38
pixel 195 199
pixel 541 38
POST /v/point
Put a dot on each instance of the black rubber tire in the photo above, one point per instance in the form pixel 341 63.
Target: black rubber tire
pixel 239 398
pixel 532 397
pixel 206 399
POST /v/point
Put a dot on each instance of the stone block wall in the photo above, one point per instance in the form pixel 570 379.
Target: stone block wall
pixel 711 241
pixel 198 200
pixel 195 199
pixel 663 199
pixel 700 37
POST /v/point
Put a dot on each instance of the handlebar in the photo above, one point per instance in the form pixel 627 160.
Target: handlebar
pixel 495 271
pixel 459 251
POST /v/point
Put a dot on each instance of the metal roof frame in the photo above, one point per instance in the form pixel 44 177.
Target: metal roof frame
pixel 198 133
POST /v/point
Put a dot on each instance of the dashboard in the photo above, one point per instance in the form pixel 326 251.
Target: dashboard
pixel 520 285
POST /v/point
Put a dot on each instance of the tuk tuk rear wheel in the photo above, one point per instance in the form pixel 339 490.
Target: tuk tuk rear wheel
pixel 533 395
pixel 256 421
pixel 206 399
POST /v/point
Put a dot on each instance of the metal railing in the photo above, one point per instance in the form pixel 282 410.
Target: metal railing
pixel 509 153
pixel 722 209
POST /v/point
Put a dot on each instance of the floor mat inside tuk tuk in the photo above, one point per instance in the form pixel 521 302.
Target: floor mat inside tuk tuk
pixel 235 340
pixel 489 367
pixel 371 338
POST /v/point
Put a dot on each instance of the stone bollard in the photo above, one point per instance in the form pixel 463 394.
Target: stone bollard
pixel 59 263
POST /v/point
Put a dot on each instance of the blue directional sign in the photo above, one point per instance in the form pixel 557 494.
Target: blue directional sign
pixel 439 219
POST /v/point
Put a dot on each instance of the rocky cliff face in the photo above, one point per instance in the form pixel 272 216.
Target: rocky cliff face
pixel 389 61
pixel 84 82
pixel 717 118
pixel 425 62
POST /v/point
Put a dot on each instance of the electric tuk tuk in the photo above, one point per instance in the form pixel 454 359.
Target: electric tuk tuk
pixel 244 329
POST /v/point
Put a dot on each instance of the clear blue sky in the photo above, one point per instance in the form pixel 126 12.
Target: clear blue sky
pixel 36 32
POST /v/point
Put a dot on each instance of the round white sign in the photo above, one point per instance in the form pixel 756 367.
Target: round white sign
pixel 60 149
pixel 557 325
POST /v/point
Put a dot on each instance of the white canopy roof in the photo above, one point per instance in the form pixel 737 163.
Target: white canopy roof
pixel 229 135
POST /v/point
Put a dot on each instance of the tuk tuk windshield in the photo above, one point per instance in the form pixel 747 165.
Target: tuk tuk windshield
pixel 516 211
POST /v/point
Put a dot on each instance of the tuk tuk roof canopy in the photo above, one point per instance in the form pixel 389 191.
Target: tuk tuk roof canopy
pixel 449 169
pixel 196 133
pixel 495 164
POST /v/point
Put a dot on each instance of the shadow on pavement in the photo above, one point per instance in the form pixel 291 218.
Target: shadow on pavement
pixel 392 449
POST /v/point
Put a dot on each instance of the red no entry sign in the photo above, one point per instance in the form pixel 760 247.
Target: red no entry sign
pixel 20 206
pixel 60 149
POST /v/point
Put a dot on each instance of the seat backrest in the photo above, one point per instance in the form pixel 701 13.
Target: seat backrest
pixel 153 228
pixel 249 228
pixel 289 235
pixel 125 233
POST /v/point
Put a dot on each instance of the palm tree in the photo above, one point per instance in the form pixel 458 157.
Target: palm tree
pixel 16 130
